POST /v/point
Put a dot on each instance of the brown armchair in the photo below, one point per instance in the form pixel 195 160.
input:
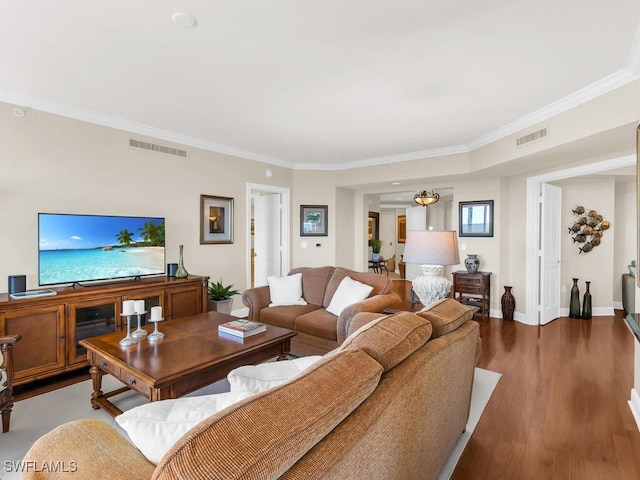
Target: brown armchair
pixel 390 263
pixel 6 378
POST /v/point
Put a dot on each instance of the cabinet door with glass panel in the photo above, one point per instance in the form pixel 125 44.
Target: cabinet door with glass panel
pixel 153 298
pixel 87 319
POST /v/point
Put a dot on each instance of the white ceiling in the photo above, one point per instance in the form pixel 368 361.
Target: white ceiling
pixel 324 84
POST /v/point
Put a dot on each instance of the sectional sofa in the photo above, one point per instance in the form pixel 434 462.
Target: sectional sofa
pixel 389 403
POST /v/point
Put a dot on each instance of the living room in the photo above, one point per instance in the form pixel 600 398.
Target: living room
pixel 64 165
pixel 65 158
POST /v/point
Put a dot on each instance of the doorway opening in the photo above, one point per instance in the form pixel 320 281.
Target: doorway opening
pixel 534 280
pixel 268 233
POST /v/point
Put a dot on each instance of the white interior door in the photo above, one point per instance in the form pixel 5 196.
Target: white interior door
pixel 267 216
pixel 550 227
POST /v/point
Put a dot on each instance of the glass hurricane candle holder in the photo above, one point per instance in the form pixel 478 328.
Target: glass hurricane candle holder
pixel 156 316
pixel 156 334
pixel 129 339
pixel 139 332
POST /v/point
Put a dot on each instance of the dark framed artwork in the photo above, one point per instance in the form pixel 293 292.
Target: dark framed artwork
pixel 402 228
pixel 476 219
pixel 313 220
pixel 216 219
pixel 373 226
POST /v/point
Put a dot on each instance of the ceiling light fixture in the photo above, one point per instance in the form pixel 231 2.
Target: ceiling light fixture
pixel 425 198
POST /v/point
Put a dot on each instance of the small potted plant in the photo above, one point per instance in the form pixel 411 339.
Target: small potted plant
pixel 220 297
pixel 376 245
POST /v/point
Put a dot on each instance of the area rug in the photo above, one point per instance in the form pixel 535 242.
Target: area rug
pixel 33 417
pixel 484 383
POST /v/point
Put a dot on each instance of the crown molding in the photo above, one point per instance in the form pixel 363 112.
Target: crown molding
pixel 583 95
pixel 607 84
pixel 401 157
pixel 35 103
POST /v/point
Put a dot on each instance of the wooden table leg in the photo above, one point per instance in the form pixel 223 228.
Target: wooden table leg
pixel 96 380
pixel 285 348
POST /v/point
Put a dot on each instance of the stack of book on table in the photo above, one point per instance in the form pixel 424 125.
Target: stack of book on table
pixel 242 328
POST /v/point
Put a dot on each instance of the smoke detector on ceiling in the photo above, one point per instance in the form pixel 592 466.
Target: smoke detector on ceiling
pixel 184 20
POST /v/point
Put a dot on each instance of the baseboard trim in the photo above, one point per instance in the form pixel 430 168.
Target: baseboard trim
pixel 564 312
pixel 596 311
pixel 634 405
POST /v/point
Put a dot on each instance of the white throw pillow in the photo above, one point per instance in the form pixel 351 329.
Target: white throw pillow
pixel 348 292
pixel 256 378
pixel 154 427
pixel 286 290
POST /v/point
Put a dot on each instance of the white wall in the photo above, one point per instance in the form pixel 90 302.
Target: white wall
pixel 58 164
pixel 596 266
pixel 388 233
pixel 626 234
pixel 54 164
pixel 345 233
pixel 319 188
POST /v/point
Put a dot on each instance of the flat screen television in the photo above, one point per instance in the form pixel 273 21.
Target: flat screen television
pixel 81 248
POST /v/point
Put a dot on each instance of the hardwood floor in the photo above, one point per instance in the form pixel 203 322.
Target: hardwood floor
pixel 560 409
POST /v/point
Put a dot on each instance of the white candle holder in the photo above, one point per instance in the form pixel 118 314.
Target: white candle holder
pixel 156 334
pixel 139 332
pixel 129 339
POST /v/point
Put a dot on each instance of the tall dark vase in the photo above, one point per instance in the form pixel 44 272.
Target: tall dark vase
pixel 574 304
pixel 508 302
pixel 586 304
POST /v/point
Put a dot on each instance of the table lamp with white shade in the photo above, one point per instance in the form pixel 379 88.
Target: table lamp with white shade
pixel 432 250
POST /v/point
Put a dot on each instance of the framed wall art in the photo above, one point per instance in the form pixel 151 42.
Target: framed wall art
pixel 313 220
pixel 402 228
pixel 476 219
pixel 216 219
pixel 373 223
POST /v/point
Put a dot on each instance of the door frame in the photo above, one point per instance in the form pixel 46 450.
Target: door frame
pixel 532 316
pixel 285 228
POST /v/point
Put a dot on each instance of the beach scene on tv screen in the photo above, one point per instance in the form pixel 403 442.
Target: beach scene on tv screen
pixel 74 248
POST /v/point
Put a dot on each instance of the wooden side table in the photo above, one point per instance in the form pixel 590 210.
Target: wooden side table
pixel 473 289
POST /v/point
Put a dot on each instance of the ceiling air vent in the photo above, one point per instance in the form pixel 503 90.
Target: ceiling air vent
pixel 532 137
pixel 157 148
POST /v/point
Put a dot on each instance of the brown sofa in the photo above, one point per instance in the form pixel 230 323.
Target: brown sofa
pixel 318 330
pixel 390 403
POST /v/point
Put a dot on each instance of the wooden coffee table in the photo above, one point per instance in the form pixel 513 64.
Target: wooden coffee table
pixel 192 355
